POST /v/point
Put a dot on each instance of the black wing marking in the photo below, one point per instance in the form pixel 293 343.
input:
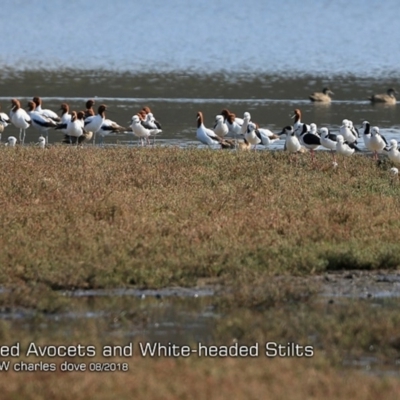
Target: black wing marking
pixel 311 139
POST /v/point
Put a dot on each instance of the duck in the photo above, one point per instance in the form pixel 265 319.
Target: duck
pixel 20 119
pixel 394 153
pixel 388 97
pixel 322 97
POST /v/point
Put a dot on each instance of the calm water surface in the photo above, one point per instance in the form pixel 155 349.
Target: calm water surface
pixel 175 99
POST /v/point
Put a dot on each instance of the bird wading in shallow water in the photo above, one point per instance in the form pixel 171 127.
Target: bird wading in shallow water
pixel 377 142
pixel 20 119
pixel 208 136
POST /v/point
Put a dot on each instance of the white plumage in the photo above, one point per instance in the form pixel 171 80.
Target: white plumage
pixel 20 119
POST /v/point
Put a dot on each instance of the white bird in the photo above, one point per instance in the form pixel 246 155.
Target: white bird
pixel 140 131
pixel 298 125
pixel 394 153
pixel 20 119
pixel 151 123
pixel 367 135
pixel 328 140
pixel 292 144
pixel 234 127
pixel 42 142
pixel 205 135
pixel 257 136
pixel 343 148
pixel 234 123
pixel 246 121
pixel 394 171
pixel 310 138
pixel 348 134
pixel 109 127
pixel 47 113
pixel 4 119
pixel 73 128
pixel 40 121
pixel 220 127
pixel 353 130
pixel 65 118
pixel 394 175
pixel 208 136
pixel 4 122
pixel 93 123
pixel 377 142
pixel 11 141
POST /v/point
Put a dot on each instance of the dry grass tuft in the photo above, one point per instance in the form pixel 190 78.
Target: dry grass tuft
pixel 90 218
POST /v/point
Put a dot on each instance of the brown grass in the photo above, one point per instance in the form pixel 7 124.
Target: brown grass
pixel 92 217
pixel 154 217
pixel 205 379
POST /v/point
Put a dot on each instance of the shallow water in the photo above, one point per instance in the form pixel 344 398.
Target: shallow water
pixel 175 99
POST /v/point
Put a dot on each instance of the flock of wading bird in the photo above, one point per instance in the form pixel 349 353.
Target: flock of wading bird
pixel 300 136
pixel 229 131
pixel 77 127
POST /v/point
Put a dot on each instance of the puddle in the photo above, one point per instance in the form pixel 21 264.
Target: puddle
pixel 360 284
pixel 187 315
pixel 143 293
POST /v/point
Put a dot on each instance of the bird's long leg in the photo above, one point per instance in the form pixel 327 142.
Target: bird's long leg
pixel 23 137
